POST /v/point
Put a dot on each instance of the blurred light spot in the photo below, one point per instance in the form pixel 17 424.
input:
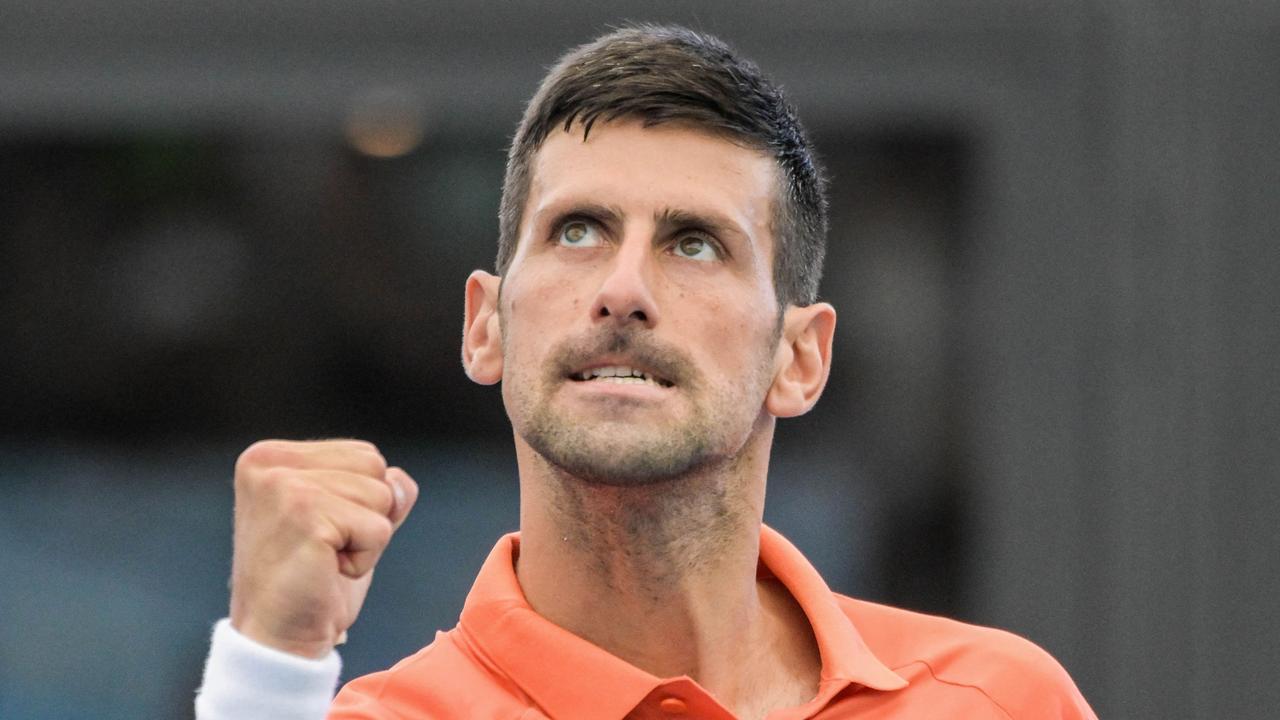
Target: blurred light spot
pixel 386 122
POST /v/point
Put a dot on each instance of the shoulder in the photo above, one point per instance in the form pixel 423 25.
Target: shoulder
pixel 446 679
pixel 1014 673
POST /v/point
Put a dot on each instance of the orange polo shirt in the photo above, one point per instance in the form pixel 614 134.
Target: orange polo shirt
pixel 503 660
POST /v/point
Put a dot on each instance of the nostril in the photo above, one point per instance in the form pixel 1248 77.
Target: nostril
pixel 622 313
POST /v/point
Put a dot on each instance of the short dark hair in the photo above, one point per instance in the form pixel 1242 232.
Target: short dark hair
pixel 666 73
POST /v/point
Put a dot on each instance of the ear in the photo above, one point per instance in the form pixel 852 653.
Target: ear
pixel 481 330
pixel 803 359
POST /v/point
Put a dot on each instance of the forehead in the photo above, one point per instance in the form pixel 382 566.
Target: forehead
pixel 671 166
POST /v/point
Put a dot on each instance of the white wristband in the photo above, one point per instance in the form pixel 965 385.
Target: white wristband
pixel 245 680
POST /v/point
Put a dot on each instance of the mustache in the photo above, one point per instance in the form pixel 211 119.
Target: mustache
pixel 663 359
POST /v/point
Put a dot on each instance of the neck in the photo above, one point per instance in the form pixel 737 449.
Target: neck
pixel 664 576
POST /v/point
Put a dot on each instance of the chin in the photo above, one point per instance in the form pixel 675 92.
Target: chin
pixel 600 461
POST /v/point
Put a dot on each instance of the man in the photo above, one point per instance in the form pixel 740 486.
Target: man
pixel 662 232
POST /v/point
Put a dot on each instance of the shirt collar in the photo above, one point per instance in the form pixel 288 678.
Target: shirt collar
pixel 845 655
pixel 570 677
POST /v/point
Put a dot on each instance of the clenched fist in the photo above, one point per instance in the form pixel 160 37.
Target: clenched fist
pixel 311 521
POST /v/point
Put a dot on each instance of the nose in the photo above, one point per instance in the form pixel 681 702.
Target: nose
pixel 625 295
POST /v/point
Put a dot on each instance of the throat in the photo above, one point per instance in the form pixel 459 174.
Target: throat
pixel 650 573
pixel 652 540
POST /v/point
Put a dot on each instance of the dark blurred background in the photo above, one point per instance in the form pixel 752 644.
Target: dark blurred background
pixel 1055 406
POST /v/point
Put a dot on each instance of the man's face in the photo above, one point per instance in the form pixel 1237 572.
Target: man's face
pixel 639 320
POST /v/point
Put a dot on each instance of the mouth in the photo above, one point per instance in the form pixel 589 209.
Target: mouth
pixel 621 375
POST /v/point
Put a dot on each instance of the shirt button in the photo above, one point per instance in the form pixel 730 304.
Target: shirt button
pixel 673 706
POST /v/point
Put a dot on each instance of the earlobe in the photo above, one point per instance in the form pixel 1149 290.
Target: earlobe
pixel 481 330
pixel 803 360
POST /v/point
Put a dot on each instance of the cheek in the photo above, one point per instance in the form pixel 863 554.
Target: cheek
pixel 533 309
pixel 547 291
pixel 731 334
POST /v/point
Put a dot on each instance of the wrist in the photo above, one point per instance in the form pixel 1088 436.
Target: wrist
pixel 309 649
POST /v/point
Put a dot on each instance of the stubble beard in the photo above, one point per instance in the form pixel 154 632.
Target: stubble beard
pixel 616 455
pixel 624 454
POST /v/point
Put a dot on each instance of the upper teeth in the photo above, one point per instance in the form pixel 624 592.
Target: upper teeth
pixel 617 373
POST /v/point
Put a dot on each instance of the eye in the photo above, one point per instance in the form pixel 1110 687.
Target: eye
pixel 578 233
pixel 696 247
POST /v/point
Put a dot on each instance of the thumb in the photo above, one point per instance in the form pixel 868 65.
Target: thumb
pixel 406 494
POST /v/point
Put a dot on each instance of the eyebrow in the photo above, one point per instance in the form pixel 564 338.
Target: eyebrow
pixel 675 218
pixel 607 214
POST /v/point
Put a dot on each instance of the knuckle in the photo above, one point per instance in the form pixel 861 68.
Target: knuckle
pixel 275 477
pixel 365 458
pixel 262 453
pixel 249 457
pixel 253 479
pixel 377 464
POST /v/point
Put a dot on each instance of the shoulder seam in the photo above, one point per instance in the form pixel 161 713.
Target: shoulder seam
pixel 953 683
pixel 384 677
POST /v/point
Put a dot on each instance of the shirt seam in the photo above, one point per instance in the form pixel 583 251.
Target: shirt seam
pixel 381 689
pixel 953 683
